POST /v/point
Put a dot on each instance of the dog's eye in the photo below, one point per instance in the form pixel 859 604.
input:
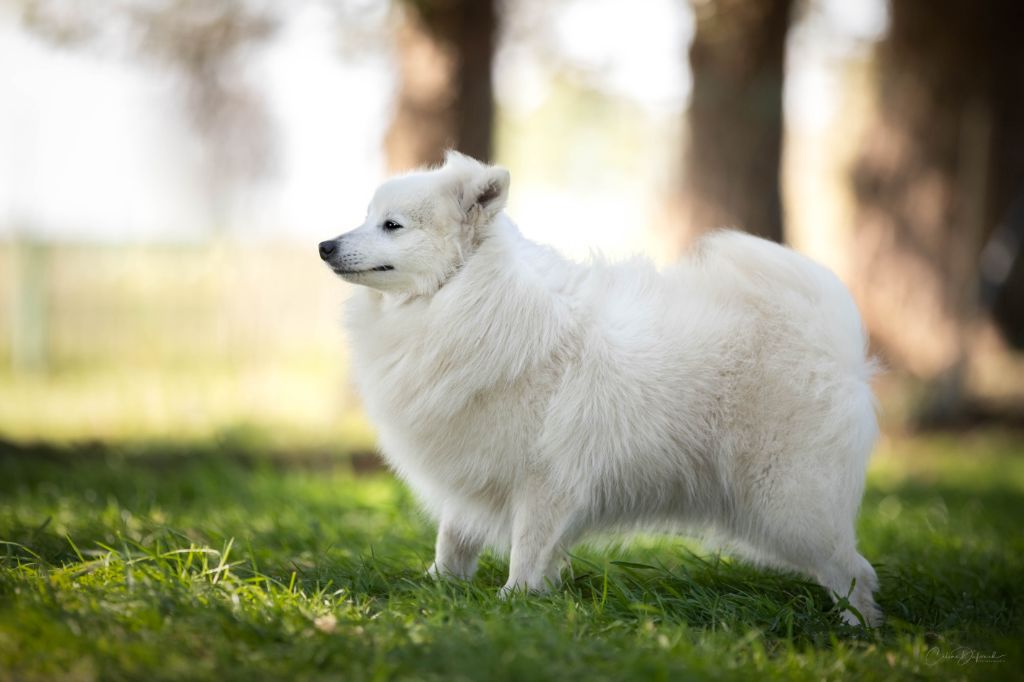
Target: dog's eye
pixel 391 226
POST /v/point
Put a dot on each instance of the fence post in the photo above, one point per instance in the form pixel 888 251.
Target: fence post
pixel 30 307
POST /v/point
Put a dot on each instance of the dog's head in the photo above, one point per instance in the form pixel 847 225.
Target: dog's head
pixel 420 228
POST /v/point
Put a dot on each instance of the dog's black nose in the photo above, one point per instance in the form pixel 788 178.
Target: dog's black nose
pixel 328 248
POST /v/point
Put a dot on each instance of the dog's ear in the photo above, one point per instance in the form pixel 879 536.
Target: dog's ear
pixel 482 190
pixel 486 194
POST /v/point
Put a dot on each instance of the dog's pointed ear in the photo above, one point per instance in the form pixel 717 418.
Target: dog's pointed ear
pixel 486 194
pixel 482 189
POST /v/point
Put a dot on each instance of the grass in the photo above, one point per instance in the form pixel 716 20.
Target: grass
pixel 171 564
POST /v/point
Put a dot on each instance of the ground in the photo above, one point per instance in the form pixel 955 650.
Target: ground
pixel 169 562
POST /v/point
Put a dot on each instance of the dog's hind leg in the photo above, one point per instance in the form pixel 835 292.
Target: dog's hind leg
pixel 820 543
pixel 827 555
pixel 842 571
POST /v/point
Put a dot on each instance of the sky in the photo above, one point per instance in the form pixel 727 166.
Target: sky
pixel 93 147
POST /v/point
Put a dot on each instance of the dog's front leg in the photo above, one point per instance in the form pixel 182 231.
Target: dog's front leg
pixel 540 529
pixel 456 551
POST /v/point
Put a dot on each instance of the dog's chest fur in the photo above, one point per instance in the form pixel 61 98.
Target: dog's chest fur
pixel 458 403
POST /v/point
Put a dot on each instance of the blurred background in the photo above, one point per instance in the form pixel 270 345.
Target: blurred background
pixel 167 168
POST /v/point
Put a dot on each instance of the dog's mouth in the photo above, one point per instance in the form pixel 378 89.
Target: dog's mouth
pixel 379 268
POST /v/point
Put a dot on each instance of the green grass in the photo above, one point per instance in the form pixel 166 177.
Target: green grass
pixel 169 564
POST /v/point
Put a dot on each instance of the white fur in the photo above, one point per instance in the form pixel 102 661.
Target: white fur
pixel 528 400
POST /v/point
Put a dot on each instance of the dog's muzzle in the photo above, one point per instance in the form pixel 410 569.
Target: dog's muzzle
pixel 328 248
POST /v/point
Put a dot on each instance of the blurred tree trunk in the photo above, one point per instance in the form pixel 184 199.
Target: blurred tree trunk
pixel 445 50
pixel 940 168
pixel 734 148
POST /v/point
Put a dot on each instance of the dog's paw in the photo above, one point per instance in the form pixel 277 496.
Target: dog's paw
pixel 518 589
pixel 438 573
pixel 872 615
pixel 511 591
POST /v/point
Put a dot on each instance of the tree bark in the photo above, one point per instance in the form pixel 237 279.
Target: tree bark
pixel 445 99
pixel 940 168
pixel 732 162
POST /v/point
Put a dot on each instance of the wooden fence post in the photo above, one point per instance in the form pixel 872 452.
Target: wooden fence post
pixel 30 307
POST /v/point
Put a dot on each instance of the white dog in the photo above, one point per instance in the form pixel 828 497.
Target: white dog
pixel 528 399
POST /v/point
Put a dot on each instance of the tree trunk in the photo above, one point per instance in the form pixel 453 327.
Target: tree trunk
pixel 445 50
pixel 939 169
pixel 732 163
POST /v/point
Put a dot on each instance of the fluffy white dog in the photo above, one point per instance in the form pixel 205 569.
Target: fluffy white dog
pixel 528 399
